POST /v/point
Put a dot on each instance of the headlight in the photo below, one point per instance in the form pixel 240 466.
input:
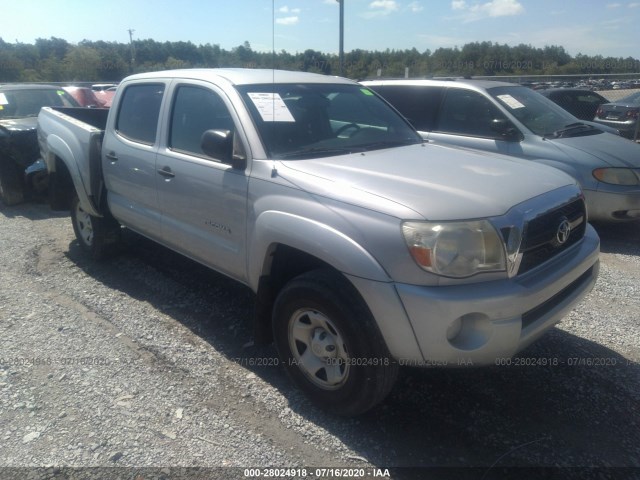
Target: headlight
pixel 618 176
pixel 455 249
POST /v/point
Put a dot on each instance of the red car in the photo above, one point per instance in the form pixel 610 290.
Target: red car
pixel 85 97
pixel 106 96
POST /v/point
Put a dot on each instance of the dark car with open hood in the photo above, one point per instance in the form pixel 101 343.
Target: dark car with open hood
pixel 20 167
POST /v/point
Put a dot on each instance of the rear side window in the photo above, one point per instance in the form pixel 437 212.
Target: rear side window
pixel 418 104
pixel 139 111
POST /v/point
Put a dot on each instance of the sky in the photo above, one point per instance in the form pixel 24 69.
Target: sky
pixel 590 27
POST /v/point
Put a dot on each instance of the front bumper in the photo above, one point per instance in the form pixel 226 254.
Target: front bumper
pixel 478 324
pixel 608 206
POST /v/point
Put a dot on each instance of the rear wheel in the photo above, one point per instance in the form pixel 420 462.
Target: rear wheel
pixel 96 235
pixel 11 183
pixel 330 345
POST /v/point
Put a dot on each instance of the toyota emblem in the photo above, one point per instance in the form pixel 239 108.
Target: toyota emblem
pixel 564 230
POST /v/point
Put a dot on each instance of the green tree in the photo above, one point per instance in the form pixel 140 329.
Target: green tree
pixel 82 64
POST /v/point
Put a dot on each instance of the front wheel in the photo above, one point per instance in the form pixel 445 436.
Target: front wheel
pixel 95 234
pixel 330 345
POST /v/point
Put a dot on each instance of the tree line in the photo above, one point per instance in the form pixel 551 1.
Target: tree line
pixel 56 60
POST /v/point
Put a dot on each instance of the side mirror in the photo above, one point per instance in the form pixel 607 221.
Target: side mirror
pixel 219 144
pixel 505 130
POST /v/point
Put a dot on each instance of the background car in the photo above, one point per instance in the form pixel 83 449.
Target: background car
pixel 19 149
pixel 106 96
pixel 581 103
pixel 101 87
pixel 85 96
pixel 509 119
pixel 622 114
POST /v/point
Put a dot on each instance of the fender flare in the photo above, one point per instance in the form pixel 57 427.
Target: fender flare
pixel 59 148
pixel 320 240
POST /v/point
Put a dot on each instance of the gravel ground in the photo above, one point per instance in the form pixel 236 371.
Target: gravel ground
pixel 145 361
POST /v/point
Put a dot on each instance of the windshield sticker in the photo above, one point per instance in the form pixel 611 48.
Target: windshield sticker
pixel 271 107
pixel 3 99
pixel 510 101
pixel 366 91
pixel 60 92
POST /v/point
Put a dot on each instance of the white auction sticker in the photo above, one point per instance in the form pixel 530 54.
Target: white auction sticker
pixel 271 107
pixel 3 99
pixel 510 101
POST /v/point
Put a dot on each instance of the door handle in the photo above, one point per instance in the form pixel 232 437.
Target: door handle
pixel 111 156
pixel 166 172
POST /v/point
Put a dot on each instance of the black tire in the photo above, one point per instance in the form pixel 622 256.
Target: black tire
pixel 11 183
pixel 329 344
pixel 97 235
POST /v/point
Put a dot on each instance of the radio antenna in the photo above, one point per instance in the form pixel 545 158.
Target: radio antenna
pixel 274 171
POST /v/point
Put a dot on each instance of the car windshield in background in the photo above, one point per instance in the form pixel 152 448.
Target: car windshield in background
pixel 27 102
pixel 316 120
pixel 539 114
pixel 633 99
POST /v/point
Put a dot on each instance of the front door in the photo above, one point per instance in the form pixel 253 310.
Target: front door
pixel 465 119
pixel 203 200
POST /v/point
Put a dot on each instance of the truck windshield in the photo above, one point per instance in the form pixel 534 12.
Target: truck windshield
pixel 315 120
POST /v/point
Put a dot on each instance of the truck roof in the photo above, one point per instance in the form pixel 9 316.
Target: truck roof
pixel 242 76
pixel 443 82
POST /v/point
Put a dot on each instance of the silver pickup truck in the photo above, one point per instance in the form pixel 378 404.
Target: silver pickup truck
pixel 367 247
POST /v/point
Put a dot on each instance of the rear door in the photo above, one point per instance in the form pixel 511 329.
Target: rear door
pixel 203 200
pixel 129 157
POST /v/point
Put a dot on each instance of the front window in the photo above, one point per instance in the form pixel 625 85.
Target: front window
pixel 196 110
pixel 465 112
pixel 315 120
pixel 536 112
pixel 21 103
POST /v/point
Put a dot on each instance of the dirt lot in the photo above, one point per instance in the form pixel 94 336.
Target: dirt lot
pixel 146 361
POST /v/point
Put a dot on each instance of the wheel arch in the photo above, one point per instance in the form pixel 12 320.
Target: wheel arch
pixel 59 156
pixel 285 246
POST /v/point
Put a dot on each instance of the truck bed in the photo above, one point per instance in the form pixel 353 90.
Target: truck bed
pixel 96 117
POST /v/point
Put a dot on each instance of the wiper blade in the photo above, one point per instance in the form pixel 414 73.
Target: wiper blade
pixel 392 144
pixel 571 129
pixel 317 152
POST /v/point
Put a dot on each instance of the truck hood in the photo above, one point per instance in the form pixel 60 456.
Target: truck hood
pixel 610 149
pixel 426 181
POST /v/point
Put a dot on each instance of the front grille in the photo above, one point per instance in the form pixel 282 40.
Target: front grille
pixel 543 238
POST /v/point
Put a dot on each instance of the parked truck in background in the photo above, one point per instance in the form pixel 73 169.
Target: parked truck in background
pixel 367 247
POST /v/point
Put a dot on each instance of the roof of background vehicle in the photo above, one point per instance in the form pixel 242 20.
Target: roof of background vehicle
pixel 242 76
pixel 445 82
pixel 554 90
pixel 28 86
